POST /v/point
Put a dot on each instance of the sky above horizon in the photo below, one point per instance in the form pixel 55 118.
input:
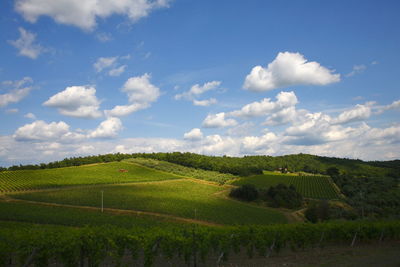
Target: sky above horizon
pixel 211 77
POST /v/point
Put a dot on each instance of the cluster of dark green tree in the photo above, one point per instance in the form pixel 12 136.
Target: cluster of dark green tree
pixel 242 166
pixel 370 196
pixel 279 196
pixel 319 211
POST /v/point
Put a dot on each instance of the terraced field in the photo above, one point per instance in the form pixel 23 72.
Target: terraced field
pixel 319 187
pixel 105 173
pixel 181 198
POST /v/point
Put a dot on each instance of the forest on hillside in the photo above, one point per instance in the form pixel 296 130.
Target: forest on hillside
pixel 242 166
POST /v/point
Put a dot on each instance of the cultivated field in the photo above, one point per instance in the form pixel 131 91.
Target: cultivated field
pixel 177 169
pixel 182 198
pixel 104 173
pixel 319 187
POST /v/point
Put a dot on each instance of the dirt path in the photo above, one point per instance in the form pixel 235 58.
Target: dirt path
pixel 112 211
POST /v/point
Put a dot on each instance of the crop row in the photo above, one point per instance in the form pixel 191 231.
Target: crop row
pixel 107 173
pixel 74 246
pixel 319 187
pixel 177 169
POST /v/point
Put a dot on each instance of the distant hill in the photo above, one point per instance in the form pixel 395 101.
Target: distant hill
pixel 243 166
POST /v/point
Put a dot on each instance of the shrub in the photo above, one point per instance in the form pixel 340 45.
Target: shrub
pixel 246 192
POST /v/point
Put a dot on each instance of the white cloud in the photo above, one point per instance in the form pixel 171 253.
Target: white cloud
pixel 107 129
pixel 258 144
pixel 117 71
pixel 83 14
pixel 205 103
pixel 104 62
pixel 30 116
pixel 40 130
pixel 197 90
pixel 17 93
pixel 193 135
pixel 76 101
pixel 218 121
pixel 266 106
pixel 141 93
pixel 288 69
pixel 26 44
pixel 358 113
pixel 357 69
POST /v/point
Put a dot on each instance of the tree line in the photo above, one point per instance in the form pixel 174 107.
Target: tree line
pixel 242 166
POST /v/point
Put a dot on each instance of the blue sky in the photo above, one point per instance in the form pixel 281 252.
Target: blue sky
pixel 211 77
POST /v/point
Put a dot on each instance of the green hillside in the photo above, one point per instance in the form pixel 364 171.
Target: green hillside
pixel 182 198
pixel 105 173
pixel 319 187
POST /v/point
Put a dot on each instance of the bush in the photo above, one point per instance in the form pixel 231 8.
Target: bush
pixel 246 192
pixel 283 196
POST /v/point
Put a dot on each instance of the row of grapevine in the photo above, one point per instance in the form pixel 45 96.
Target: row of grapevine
pixel 319 187
pixel 107 173
pixel 74 246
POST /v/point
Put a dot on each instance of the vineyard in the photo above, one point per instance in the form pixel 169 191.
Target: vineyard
pixel 106 173
pixel 319 187
pixel 165 166
pixel 24 245
pixel 183 198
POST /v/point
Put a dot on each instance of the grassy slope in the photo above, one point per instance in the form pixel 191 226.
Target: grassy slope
pixel 106 173
pixel 180 198
pixel 309 186
pixel 25 212
pixel 177 169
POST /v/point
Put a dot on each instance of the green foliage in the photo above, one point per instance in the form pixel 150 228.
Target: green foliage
pixel 175 197
pixel 372 196
pixel 70 246
pixel 107 173
pixel 318 211
pixel 165 166
pixel 247 192
pixel 245 166
pixel 283 196
pixel 319 187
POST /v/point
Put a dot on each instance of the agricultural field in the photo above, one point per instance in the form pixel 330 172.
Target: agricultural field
pixel 177 169
pixel 318 187
pixel 104 173
pixel 67 216
pixel 183 198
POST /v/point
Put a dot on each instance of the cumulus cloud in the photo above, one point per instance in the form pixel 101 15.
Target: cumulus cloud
pixel 266 106
pixel 18 91
pixel 205 103
pixel 40 130
pixel 141 93
pixel 258 144
pixel 83 14
pixel 76 101
pixel 107 129
pixel 358 113
pixel 193 135
pixel 26 44
pixel 218 121
pixel 288 69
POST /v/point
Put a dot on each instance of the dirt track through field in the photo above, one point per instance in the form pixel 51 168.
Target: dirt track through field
pixel 113 211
